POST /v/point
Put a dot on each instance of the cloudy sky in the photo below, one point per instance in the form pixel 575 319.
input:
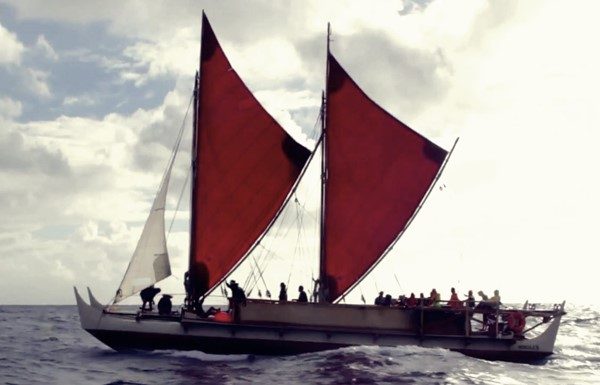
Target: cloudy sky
pixel 92 95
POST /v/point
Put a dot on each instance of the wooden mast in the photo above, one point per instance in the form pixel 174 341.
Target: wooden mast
pixel 323 297
pixel 194 165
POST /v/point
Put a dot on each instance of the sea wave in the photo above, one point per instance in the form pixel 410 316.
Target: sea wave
pixel 45 345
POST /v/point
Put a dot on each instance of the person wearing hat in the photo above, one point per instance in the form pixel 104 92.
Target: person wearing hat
pixel 165 305
pixel 238 297
pixel 379 300
pixel 237 293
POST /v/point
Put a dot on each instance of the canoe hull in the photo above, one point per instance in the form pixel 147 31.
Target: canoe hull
pixel 128 331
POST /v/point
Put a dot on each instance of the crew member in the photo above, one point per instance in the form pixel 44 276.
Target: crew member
pixel 496 297
pixel 165 305
pixel 238 297
pixel 302 296
pixel 483 296
pixel 433 297
pixel 282 292
pixel 237 293
pixel 148 295
pixel 470 300
pixel 454 301
pixel 411 302
pixel 387 301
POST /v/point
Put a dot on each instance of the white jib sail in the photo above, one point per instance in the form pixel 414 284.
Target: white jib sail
pixel 150 261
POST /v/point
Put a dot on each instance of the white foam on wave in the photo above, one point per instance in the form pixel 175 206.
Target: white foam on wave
pixel 200 356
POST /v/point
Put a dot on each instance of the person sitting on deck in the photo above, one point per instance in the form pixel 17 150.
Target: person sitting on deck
pixel 454 302
pixel 165 305
pixel 148 295
pixel 411 302
pixel 379 300
pixel 282 293
pixel 302 296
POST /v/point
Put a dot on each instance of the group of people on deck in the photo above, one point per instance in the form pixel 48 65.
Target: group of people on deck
pixel 435 300
pixel 164 304
pixel 283 297
pixel 238 297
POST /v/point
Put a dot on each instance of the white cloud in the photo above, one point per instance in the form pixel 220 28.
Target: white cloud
pixel 43 46
pixel 268 61
pixel 10 108
pixel 37 82
pixel 82 100
pixel 521 194
pixel 282 104
pixel 12 48
pixel 168 56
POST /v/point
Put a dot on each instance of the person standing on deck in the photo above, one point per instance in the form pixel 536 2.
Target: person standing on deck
pixel 379 300
pixel 387 301
pixel 411 302
pixel 148 295
pixel 483 296
pixel 237 293
pixel 432 297
pixel 454 301
pixel 496 297
pixel 238 297
pixel 302 296
pixel 470 300
pixel 282 293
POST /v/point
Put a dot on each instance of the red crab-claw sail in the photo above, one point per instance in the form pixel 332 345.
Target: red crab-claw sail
pixel 245 166
pixel 378 171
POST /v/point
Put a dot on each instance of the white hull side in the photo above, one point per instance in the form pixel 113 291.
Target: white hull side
pixel 127 332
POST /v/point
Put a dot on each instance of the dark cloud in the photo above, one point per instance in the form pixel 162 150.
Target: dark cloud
pixel 161 135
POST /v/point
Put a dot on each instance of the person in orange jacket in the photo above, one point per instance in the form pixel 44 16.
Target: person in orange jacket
pixel 454 301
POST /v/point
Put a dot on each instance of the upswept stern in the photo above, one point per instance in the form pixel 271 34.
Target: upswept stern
pixel 93 301
pixel 546 340
pixel 89 315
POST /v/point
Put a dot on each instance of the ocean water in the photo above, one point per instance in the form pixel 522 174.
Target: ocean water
pixel 46 345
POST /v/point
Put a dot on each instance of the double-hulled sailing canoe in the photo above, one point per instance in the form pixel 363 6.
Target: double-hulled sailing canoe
pixel 376 174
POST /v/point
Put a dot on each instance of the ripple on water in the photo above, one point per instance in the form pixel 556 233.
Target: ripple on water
pixel 47 345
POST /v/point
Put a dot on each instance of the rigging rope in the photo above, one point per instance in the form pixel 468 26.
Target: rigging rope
pixel 172 160
pixel 263 257
pixel 187 177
